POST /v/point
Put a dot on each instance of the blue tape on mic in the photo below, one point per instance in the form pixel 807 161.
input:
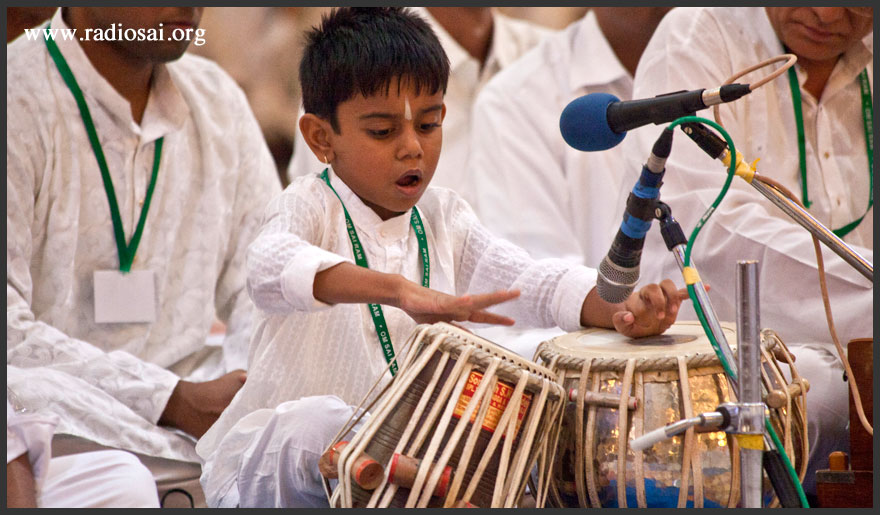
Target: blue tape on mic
pixel 634 227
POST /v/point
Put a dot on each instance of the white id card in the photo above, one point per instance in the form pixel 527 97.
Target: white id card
pixel 125 298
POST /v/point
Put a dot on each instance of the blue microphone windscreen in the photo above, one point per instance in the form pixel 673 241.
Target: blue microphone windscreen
pixel 584 124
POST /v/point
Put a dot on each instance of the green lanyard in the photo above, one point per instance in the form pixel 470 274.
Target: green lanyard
pixel 126 252
pixel 361 260
pixel 867 118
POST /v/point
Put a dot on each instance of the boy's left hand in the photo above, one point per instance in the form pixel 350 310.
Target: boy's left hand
pixel 650 310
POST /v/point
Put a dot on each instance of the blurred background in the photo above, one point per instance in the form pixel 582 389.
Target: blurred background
pixel 260 48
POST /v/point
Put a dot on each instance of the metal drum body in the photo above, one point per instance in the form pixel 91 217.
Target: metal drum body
pixel 628 387
pixel 447 377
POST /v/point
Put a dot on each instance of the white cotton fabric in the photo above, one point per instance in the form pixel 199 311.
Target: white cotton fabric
pixel 530 186
pixel 103 479
pixel 271 459
pixel 303 347
pixel 700 48
pixel 30 433
pixel 511 38
pixel 99 479
pixel 110 382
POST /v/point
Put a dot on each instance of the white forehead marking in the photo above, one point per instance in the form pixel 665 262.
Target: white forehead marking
pixel 407 110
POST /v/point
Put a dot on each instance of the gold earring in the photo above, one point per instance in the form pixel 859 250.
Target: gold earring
pixel 326 161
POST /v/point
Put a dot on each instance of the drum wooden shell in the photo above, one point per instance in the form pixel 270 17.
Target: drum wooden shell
pixel 629 387
pixel 442 384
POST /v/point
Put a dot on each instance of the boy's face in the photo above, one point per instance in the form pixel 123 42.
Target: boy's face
pixel 388 146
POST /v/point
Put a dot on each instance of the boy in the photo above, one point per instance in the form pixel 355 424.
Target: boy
pixel 373 83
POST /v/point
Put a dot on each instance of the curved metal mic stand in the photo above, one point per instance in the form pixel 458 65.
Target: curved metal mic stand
pixel 716 148
pixel 822 233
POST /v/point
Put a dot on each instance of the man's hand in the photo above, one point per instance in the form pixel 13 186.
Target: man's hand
pixel 194 407
pixel 428 306
pixel 651 310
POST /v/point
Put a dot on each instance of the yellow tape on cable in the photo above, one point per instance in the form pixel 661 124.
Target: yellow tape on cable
pixel 690 275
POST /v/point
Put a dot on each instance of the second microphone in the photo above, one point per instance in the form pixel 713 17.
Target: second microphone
pixel 619 270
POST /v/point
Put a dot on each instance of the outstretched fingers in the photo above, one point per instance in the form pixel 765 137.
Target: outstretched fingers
pixel 473 307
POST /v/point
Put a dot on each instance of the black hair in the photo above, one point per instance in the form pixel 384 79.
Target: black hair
pixel 361 50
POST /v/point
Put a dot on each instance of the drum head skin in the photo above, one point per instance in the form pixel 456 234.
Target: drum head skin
pixel 682 339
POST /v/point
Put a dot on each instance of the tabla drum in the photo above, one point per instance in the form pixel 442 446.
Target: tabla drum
pixel 424 433
pixel 627 387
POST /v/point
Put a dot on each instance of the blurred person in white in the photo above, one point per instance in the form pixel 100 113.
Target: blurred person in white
pixel 260 48
pixel 99 479
pixel 479 41
pixel 530 187
pixel 702 47
pixel 101 133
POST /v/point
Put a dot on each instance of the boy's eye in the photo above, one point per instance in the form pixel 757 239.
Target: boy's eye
pixel 428 127
pixel 379 133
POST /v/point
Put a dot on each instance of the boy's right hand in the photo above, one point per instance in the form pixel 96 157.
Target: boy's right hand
pixel 428 306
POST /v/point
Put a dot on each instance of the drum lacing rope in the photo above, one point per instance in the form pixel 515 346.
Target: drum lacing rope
pixel 800 403
pixel 511 365
pixel 451 342
pixel 604 364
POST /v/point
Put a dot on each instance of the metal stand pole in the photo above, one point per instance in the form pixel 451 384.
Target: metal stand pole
pixel 751 428
pixel 808 222
pixel 745 418
pixel 716 147
pixel 676 243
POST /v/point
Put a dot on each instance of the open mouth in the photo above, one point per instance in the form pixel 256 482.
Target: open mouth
pixel 410 182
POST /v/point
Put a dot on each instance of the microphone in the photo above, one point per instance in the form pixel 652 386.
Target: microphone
pixel 619 270
pixel 599 121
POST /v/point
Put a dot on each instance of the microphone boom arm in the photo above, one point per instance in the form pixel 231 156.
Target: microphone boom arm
pixel 716 148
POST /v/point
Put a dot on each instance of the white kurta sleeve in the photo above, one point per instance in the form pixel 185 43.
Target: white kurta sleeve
pixel 552 290
pixel 284 258
pixel 746 226
pixel 142 386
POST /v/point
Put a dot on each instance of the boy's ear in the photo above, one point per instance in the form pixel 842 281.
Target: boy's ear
pixel 316 132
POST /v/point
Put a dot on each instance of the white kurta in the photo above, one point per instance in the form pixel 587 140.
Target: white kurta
pixel 109 383
pixel 701 48
pixel 531 187
pixel 303 347
pixel 511 38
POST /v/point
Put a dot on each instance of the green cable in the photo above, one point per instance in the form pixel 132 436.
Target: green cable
pixel 692 293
